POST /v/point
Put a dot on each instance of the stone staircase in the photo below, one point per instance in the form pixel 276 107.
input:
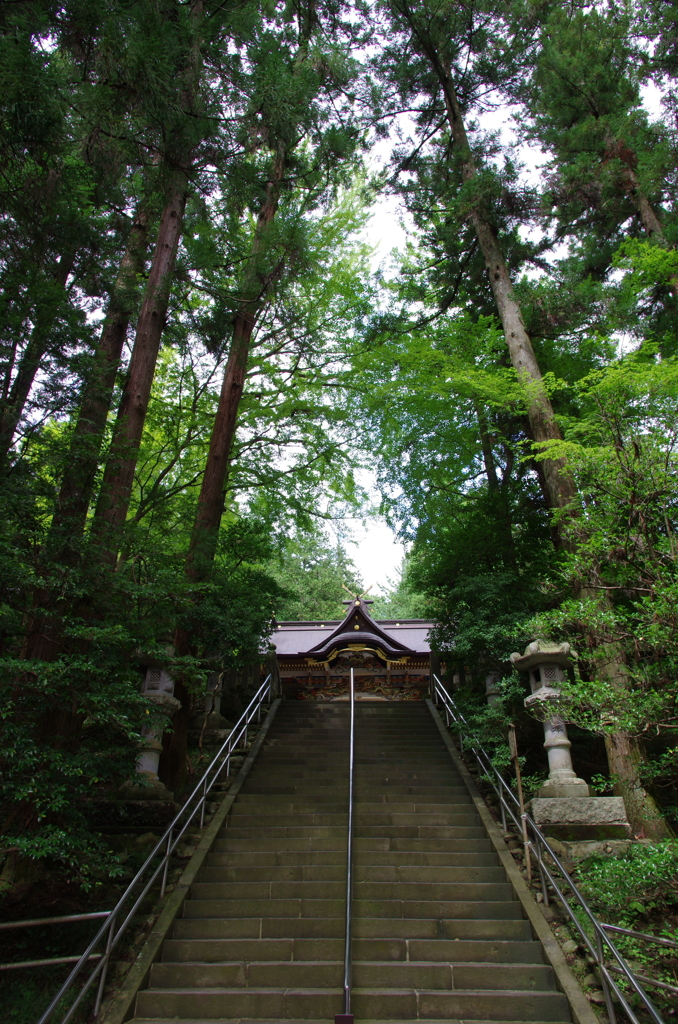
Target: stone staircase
pixel 438 931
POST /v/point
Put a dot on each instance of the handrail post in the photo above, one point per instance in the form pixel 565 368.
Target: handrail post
pixel 347 1017
pixel 104 969
pixel 168 852
pixel 202 803
pixel 542 873
pixel 605 986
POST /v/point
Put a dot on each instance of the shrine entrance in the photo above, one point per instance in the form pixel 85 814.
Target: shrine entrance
pixel 391 659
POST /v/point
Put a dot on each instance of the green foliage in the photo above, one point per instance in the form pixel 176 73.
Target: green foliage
pixel 489 724
pixel 314 574
pixel 71 723
pixel 445 415
pixel 638 890
pixel 623 455
pixel 400 598
pixel 637 884
pixel 648 263
pixel 100 107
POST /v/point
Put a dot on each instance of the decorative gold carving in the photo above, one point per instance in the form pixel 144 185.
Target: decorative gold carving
pixel 360 647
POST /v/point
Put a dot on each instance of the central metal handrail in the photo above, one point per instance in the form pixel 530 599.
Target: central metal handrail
pixel 607 957
pixel 119 919
pixel 347 1017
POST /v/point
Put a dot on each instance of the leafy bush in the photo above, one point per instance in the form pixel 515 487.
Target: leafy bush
pixel 642 881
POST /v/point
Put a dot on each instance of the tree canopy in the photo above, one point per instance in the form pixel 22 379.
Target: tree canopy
pixel 200 360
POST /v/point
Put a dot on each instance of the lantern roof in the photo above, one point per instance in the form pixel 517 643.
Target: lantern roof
pixel 540 652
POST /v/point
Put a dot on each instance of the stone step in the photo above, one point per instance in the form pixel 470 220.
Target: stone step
pixel 405 892
pixel 337 757
pixel 364 768
pixel 311 1003
pixel 242 818
pixel 386 713
pixel 394 908
pixel 288 1020
pixel 366 739
pixel 272 832
pixel 321 873
pixel 228 840
pixel 383 794
pixel 467 1005
pixel 420 831
pixel 366 974
pixel 333 746
pixel 256 858
pixel 255 793
pixel 337 754
pixel 381 807
pixel 514 929
pixel 284 858
pixel 369 776
pixel 372 787
pixel 434 758
pixel 381 949
pixel 287 831
pixel 438 931
pixel 320 741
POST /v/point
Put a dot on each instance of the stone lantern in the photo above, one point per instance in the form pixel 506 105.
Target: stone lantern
pixel 158 689
pixel 563 807
pixel 492 691
pixel 547 665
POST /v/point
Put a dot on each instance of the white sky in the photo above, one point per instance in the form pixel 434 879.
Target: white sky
pixel 376 552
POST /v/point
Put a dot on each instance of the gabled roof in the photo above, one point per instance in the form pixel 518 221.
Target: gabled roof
pixel 359 627
pixel 318 640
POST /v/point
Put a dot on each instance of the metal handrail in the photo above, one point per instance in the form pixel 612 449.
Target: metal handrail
pixel 65 919
pixel 600 947
pixel 347 1017
pixel 641 935
pixel 111 932
pixel 19 965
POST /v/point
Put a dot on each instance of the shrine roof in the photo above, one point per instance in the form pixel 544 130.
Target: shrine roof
pixel 396 636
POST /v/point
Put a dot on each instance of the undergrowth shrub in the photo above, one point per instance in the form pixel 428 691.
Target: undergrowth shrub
pixel 641 883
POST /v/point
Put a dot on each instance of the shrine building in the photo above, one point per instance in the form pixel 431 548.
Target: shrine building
pixel 391 659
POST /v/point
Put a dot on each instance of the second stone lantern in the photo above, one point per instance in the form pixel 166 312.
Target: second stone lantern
pixel 546 665
pixel 563 807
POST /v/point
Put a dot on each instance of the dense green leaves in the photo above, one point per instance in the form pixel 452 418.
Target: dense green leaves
pixel 522 131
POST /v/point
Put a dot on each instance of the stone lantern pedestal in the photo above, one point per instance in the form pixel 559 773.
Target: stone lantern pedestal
pixel 563 807
pixel 158 688
pixel 492 691
pixel 215 721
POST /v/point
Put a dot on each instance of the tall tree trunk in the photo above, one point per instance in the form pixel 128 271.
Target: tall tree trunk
pixel 558 481
pixel 560 489
pixel 205 531
pixel 256 287
pixel 646 212
pixel 37 346
pixel 486 445
pixel 114 498
pixel 116 489
pixel 68 522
